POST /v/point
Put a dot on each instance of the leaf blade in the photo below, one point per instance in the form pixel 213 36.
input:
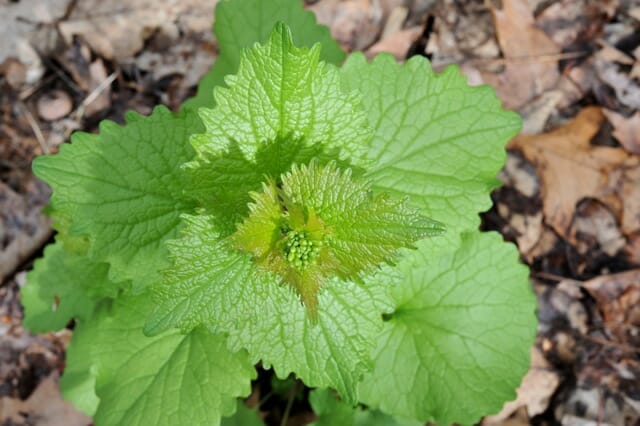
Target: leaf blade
pixel 63 285
pixel 465 312
pixel 241 23
pixel 124 190
pixel 169 379
pixel 436 139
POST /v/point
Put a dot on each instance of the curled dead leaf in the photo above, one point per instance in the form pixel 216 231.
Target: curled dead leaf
pixel 398 44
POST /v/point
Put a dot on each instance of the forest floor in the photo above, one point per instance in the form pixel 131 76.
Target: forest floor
pixel 570 200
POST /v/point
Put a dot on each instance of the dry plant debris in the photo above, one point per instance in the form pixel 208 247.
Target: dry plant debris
pixel 571 168
pixel 44 406
pixel 626 130
pixel 530 55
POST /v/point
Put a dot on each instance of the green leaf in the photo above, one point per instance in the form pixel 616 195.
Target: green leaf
pixel 436 139
pixel 222 183
pixel 457 344
pixel 207 283
pixel 244 416
pixel 124 189
pixel 170 379
pixel 266 317
pixel 324 223
pixel 332 352
pixel 365 230
pixel 283 92
pixel 241 23
pixel 78 383
pixel 283 107
pixel 63 285
pixel 332 411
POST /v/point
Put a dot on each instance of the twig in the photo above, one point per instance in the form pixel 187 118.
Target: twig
pixel 605 342
pixel 26 93
pixel 550 57
pixel 265 398
pixel 34 127
pixel 60 73
pixel 287 410
pixel 93 95
pixel 99 89
pixel 555 277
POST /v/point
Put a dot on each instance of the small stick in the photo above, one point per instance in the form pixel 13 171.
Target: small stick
pixel 552 57
pixel 99 89
pixel 287 410
pixel 34 127
pixel 94 95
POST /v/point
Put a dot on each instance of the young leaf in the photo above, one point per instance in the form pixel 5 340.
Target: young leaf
pixel 124 189
pixel 330 410
pixel 242 23
pixel 323 223
pixel 436 139
pixel 170 379
pixel 281 91
pixel 365 231
pixel 264 316
pixel 457 344
pixel 222 183
pixel 63 285
pixel 207 284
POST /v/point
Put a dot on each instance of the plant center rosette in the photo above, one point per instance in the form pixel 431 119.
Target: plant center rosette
pixel 317 222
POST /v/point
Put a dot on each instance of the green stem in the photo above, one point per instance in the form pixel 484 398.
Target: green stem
pixel 287 410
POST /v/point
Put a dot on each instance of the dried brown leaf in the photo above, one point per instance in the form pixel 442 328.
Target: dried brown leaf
pixel 618 300
pixel 534 393
pixel 118 29
pixel 628 192
pixel 571 169
pixel 45 407
pixel 530 67
pixel 397 44
pixel 627 90
pixel 354 23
